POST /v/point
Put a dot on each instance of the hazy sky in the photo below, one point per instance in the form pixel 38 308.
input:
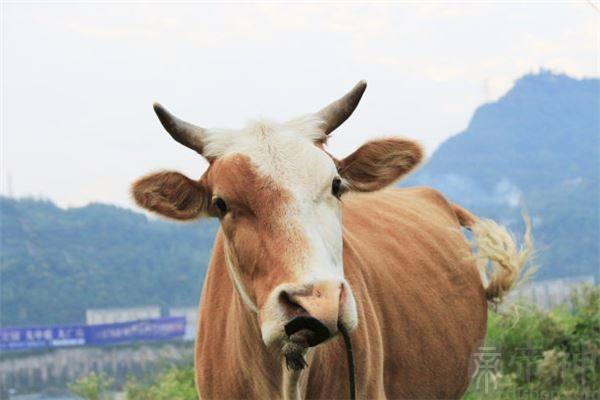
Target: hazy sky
pixel 79 79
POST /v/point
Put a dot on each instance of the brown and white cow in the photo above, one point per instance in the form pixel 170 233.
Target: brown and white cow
pixel 308 242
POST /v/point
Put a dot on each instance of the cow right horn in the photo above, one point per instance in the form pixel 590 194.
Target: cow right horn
pixel 337 112
pixel 189 135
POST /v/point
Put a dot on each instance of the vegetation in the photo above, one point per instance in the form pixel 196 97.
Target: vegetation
pixel 92 387
pixel 530 353
pixel 177 383
pixel 56 263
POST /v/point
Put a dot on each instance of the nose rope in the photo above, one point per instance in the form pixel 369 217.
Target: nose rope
pixel 350 357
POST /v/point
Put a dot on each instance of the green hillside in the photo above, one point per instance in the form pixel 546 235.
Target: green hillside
pixel 55 263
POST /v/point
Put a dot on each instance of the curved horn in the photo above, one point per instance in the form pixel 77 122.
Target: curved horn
pixel 189 135
pixel 337 112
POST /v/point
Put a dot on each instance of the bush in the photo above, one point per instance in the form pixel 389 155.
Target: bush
pixel 177 383
pixel 91 387
pixel 552 355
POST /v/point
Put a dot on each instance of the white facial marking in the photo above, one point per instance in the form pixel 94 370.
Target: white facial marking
pixel 286 153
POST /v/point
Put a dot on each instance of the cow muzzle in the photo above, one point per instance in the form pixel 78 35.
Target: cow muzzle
pixel 313 311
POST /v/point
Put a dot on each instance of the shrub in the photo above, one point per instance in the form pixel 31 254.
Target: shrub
pixel 554 354
pixel 91 387
pixel 177 383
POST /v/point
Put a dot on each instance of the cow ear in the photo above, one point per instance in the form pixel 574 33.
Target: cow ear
pixel 379 163
pixel 172 195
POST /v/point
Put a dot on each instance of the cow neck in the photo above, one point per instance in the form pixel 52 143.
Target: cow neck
pixel 266 364
pixel 270 378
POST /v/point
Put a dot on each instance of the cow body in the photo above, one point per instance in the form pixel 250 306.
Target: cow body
pixel 311 247
pixel 421 305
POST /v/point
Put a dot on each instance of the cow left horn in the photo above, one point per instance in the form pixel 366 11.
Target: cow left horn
pixel 189 135
pixel 337 112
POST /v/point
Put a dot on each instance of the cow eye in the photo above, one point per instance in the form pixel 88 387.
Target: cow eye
pixel 337 188
pixel 220 206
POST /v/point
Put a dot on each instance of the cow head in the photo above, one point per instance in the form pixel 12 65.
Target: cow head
pixel 278 194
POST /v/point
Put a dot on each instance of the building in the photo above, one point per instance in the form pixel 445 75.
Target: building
pixel 549 293
pixel 97 316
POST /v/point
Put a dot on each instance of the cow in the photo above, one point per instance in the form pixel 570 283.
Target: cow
pixel 310 245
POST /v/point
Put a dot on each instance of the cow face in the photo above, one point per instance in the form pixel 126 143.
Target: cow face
pixel 278 197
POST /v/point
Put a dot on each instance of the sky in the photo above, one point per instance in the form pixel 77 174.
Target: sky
pixel 78 79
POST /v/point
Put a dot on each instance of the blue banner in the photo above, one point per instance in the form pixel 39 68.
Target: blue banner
pixel 167 328
pixel 41 336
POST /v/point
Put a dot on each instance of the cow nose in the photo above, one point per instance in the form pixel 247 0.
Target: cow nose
pixel 314 311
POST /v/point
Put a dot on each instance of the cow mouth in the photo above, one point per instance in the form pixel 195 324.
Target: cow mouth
pixel 305 329
pixel 303 332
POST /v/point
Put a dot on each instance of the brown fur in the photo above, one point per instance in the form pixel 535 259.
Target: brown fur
pixel 378 163
pixel 422 306
pixel 465 218
pixel 422 311
pixel 261 237
pixel 171 194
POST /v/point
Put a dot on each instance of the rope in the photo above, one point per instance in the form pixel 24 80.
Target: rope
pixel 350 357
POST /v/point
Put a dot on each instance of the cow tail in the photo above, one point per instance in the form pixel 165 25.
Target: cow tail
pixel 502 263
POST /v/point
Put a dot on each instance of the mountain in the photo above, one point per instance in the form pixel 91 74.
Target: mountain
pixel 537 146
pixel 55 263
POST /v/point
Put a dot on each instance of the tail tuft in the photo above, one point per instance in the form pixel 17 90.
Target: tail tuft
pixel 501 262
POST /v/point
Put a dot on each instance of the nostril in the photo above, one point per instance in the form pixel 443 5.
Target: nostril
pixel 292 308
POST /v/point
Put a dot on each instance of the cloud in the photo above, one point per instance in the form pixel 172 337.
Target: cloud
pixel 88 73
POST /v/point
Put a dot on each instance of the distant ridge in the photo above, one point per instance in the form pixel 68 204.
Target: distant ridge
pixel 538 144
